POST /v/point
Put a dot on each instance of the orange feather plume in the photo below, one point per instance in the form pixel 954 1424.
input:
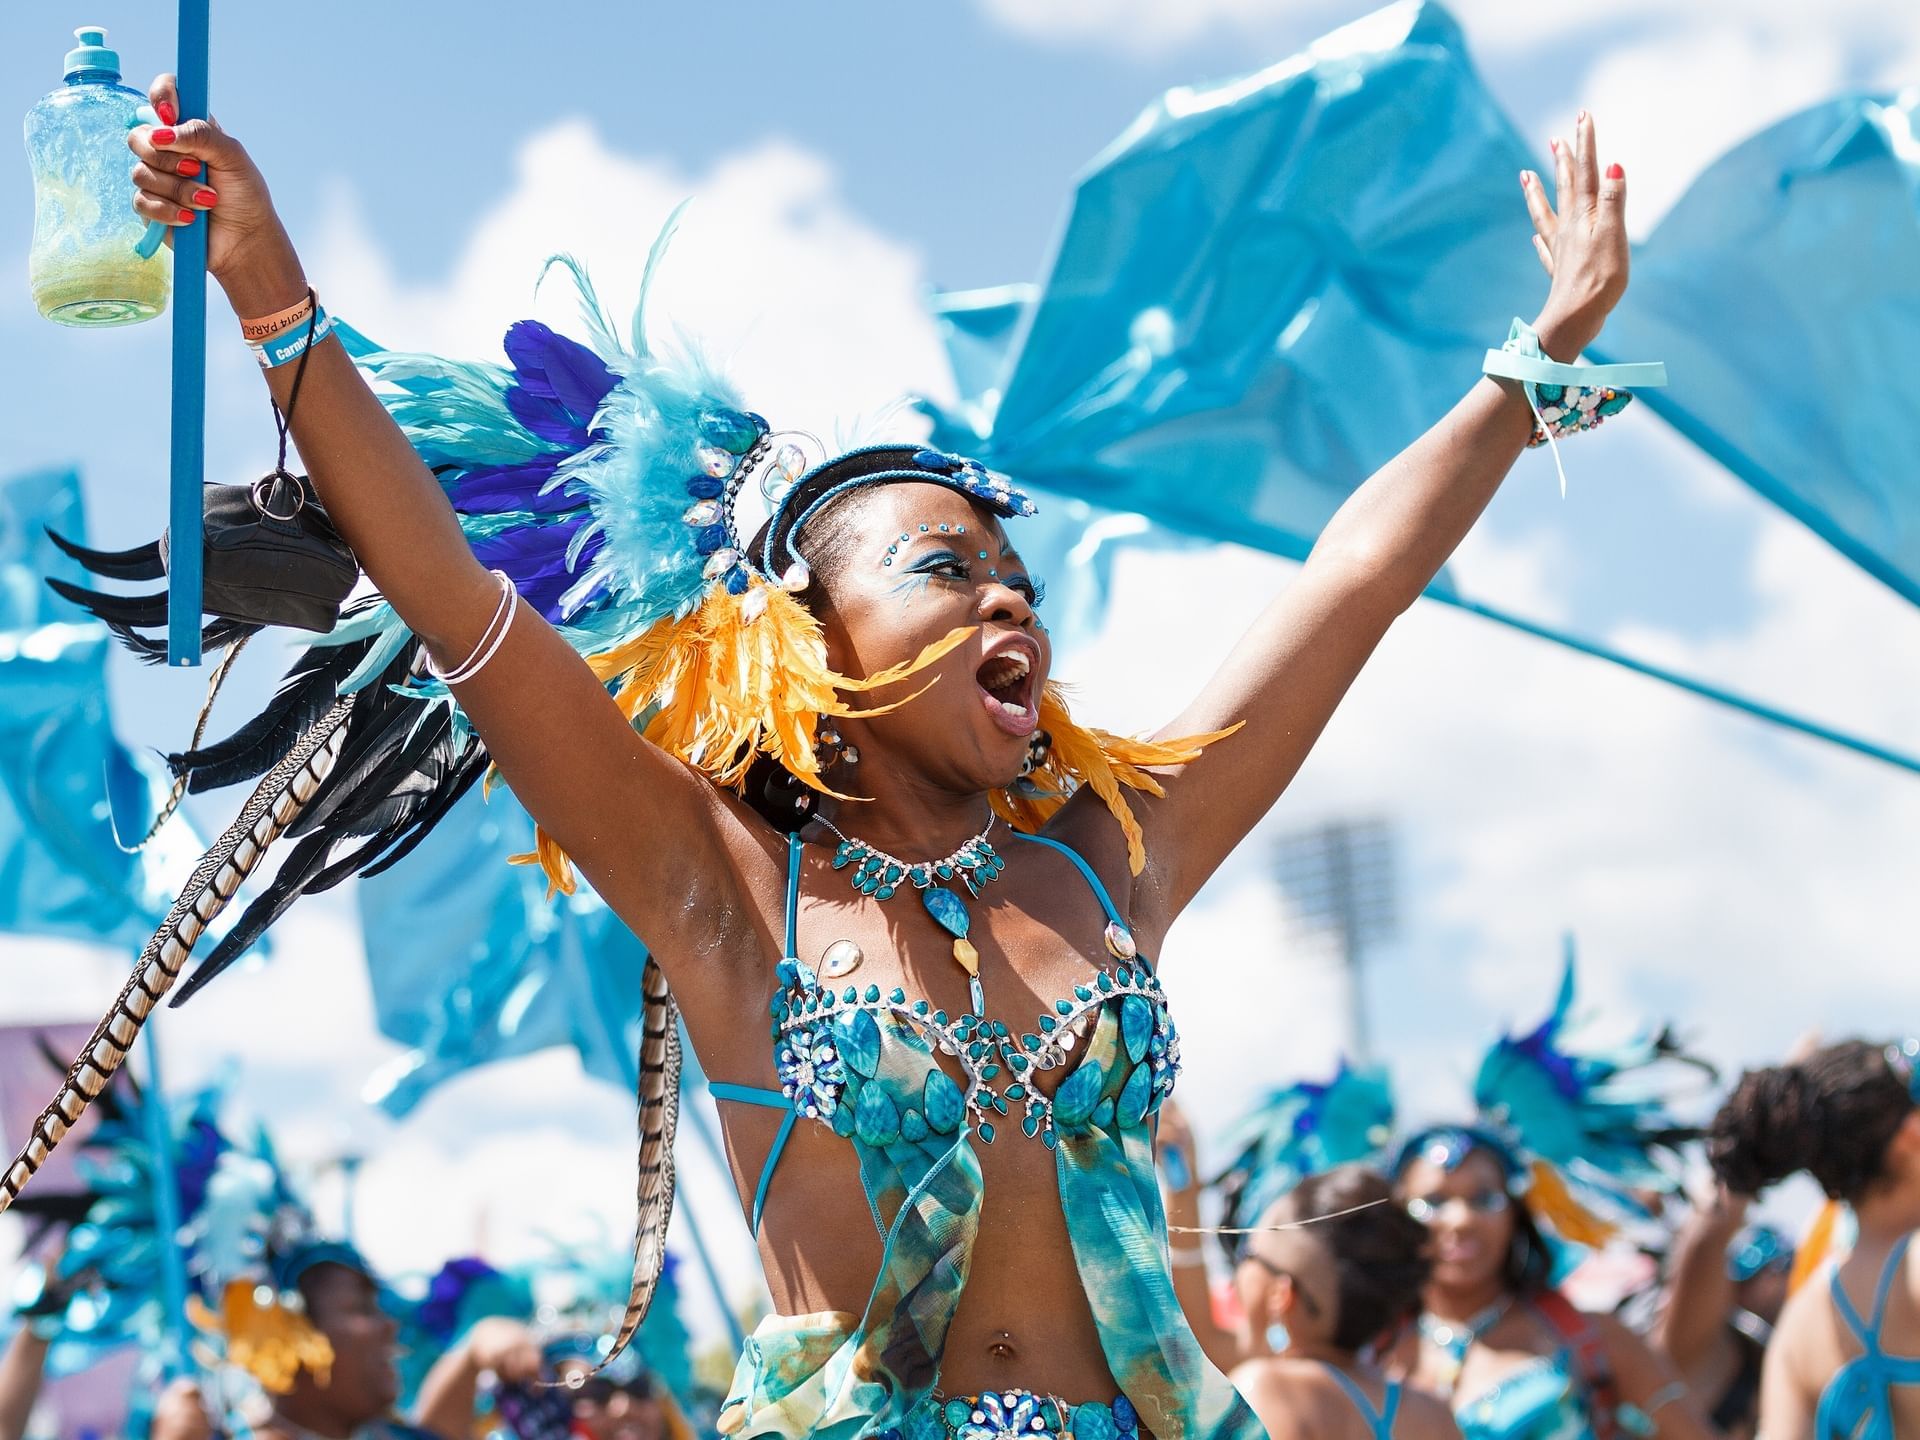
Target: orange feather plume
pixel 269 1341
pixel 1105 761
pixel 741 676
pixel 1552 1204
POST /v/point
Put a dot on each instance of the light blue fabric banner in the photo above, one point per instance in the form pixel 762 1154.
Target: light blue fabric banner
pixel 1783 291
pixel 470 962
pixel 1070 545
pixel 1266 288
pixel 62 774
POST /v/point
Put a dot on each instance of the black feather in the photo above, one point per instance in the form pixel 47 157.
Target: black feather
pixel 147 610
pixel 140 563
pixel 309 688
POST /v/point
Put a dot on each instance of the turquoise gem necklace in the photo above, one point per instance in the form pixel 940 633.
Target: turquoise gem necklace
pixel 975 865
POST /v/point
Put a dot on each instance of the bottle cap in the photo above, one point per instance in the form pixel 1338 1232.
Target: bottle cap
pixel 92 52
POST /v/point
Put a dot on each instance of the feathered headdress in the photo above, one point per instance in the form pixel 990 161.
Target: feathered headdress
pixel 602 480
pixel 105 1287
pixel 1579 1130
pixel 1300 1130
pixel 249 1244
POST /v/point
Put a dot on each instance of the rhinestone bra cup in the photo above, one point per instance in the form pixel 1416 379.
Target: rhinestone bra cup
pixel 828 1046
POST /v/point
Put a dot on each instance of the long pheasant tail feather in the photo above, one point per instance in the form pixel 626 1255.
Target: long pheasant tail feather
pixel 659 1093
pixel 274 804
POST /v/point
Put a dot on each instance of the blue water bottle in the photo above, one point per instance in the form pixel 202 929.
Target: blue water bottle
pixel 83 267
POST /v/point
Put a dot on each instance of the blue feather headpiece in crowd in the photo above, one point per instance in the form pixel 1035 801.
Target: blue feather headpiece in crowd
pixel 1299 1130
pixel 1578 1130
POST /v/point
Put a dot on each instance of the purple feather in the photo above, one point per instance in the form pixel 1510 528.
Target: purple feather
pixel 517 487
pixel 439 1313
pixel 555 368
pixel 200 1150
pixel 535 556
pixel 546 417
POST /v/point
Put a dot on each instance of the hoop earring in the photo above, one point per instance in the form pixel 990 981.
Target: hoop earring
pixel 1519 1255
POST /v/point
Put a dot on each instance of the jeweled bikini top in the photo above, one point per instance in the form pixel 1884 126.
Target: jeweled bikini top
pixel 830 1044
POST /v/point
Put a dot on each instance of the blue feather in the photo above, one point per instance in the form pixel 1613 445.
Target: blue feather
pixel 535 556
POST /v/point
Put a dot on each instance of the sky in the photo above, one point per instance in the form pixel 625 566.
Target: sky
pixel 843 158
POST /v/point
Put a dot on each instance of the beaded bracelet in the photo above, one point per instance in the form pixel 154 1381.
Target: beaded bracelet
pixel 1565 399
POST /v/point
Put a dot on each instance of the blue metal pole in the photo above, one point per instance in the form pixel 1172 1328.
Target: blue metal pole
pixel 166 1208
pixel 1759 710
pixel 188 467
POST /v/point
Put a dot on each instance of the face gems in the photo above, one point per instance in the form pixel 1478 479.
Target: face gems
pixel 842 957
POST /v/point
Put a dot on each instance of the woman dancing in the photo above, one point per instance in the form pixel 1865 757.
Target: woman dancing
pixel 1516 1359
pixel 1021 1285
pixel 1333 1269
pixel 1844 1362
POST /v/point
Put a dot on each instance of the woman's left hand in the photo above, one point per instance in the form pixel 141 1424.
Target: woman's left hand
pixel 1581 238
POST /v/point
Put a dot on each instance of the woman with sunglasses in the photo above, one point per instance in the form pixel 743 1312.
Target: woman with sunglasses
pixel 1844 1363
pixel 1512 1355
pixel 1331 1272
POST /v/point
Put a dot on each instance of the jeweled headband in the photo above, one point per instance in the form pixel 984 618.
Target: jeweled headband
pixel 896 463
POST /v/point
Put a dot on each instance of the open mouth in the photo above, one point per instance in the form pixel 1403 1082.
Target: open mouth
pixel 1006 684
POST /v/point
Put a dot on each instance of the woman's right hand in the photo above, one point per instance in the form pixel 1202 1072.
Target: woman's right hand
pixel 193 168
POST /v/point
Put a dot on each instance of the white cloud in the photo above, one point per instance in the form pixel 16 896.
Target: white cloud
pixel 818 316
pixel 1496 27
pixel 1743 882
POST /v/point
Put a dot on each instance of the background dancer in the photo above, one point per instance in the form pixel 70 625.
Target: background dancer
pixel 1320 1300
pixel 1839 1364
pixel 1725 1285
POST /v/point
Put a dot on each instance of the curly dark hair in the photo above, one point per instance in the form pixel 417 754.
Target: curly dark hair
pixel 1379 1251
pixel 1832 1115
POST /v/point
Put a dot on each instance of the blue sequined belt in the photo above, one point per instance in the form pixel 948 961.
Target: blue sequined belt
pixel 1019 1415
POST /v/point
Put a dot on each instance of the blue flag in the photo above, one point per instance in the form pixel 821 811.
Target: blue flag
pixel 1266 289
pixel 63 776
pixel 1784 292
pixel 471 963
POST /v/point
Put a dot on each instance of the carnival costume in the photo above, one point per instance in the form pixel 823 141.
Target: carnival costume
pixel 1299 1130
pixel 1576 1132
pixel 600 484
pixel 104 1287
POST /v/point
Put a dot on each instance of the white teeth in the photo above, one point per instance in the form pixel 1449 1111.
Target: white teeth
pixel 1013 709
pixel 1005 669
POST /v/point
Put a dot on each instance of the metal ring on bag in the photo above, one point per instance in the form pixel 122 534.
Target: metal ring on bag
pixel 260 498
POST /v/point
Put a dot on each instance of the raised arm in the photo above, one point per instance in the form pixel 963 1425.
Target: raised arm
pixel 570 756
pixel 1700 1296
pixel 1650 1384
pixel 1380 550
